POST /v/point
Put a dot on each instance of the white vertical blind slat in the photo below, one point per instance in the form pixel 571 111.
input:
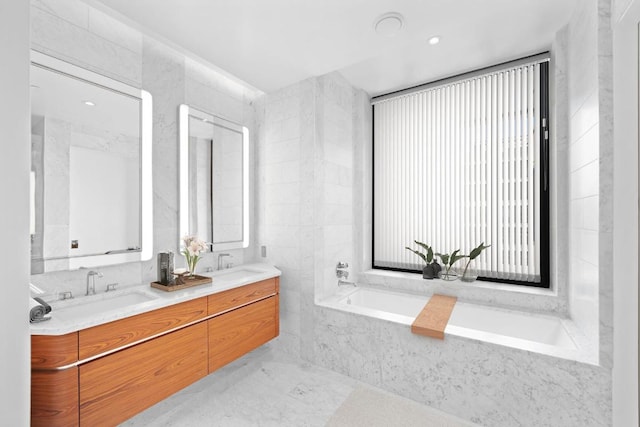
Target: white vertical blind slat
pixel 530 171
pixel 458 165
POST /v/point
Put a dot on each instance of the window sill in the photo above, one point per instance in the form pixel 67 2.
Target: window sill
pixel 505 295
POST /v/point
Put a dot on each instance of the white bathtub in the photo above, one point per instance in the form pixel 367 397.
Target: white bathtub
pixel 532 332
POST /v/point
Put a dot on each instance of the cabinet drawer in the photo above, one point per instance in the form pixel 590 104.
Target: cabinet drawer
pixel 53 351
pixel 237 332
pixel 118 386
pixel 243 295
pixel 113 335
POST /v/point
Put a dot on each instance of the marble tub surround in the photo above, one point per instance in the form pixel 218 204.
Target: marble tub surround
pixel 487 384
pixel 143 299
pixel 538 333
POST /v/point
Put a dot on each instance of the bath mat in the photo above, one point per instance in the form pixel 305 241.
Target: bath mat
pixel 371 408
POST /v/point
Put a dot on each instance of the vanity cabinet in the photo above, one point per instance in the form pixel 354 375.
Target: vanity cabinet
pixel 239 331
pixel 245 318
pixel 108 373
pixel 116 387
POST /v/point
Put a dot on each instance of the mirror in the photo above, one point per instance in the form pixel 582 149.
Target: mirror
pixel 214 179
pixel 90 168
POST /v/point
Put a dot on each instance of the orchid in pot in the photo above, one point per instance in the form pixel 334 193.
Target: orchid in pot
pixel 193 247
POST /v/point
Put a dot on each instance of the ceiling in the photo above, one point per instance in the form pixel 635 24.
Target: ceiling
pixel 272 44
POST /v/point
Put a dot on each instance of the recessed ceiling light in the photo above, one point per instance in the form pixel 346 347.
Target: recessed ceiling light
pixel 389 24
pixel 434 40
pixel 89 103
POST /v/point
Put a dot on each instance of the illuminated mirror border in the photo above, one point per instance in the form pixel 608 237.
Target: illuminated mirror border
pixel 184 112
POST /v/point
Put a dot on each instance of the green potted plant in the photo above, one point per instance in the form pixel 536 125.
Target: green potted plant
pixel 467 276
pixel 448 261
pixel 431 267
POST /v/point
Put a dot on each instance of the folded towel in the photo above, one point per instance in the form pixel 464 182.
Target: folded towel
pixel 37 310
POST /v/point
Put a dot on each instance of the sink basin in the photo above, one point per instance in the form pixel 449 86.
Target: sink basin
pixel 239 274
pixel 91 307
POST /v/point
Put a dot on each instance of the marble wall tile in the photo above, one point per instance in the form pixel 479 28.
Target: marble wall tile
pixel 619 7
pixel 115 31
pixel 213 77
pixel 585 149
pixel 206 98
pixel 75 12
pixel 586 117
pixel 280 219
pixel 559 194
pixel 605 84
pixel 583 153
pixel 62 39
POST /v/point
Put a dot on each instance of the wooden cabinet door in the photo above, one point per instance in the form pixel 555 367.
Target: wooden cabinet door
pixel 118 386
pixel 237 332
pixel 54 398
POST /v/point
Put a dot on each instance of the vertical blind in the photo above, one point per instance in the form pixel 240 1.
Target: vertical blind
pixel 458 164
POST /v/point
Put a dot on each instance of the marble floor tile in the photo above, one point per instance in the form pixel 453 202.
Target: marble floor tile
pixel 263 388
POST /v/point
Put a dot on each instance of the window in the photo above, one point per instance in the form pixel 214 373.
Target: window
pixel 463 161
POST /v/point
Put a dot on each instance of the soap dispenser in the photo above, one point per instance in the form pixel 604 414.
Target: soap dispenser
pixel 165 268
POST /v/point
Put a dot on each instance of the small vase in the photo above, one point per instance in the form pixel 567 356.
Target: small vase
pixel 437 268
pixel 191 266
pixel 428 272
pixel 449 276
pixel 469 276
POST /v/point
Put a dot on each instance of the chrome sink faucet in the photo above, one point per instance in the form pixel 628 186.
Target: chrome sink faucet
pixel 91 282
pixel 220 257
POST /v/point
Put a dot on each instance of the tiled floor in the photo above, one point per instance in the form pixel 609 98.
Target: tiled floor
pixel 261 389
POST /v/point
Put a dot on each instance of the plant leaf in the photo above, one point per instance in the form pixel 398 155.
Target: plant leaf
pixel 428 249
pixel 420 254
pixel 444 258
pixel 455 257
pixel 475 253
pixel 424 245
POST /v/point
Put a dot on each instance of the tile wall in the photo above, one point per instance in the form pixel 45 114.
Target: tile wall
pixel 590 173
pixel 313 131
pixel 73 31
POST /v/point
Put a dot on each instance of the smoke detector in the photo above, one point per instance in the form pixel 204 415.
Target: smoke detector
pixel 389 24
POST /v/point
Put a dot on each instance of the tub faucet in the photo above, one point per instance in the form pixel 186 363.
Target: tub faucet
pixel 346 283
pixel 91 282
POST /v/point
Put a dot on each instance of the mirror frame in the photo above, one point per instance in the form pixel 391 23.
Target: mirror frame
pixel 145 253
pixel 184 112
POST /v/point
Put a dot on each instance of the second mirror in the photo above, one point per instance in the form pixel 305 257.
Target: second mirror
pixel 214 179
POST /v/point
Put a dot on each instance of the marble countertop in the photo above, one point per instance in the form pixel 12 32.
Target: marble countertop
pixel 84 312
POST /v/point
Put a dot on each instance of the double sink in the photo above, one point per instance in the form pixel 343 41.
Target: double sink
pixel 139 297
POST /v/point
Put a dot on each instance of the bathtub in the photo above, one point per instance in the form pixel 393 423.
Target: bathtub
pixel 531 332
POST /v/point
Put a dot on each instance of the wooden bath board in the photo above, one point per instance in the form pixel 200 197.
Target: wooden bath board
pixel 434 317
